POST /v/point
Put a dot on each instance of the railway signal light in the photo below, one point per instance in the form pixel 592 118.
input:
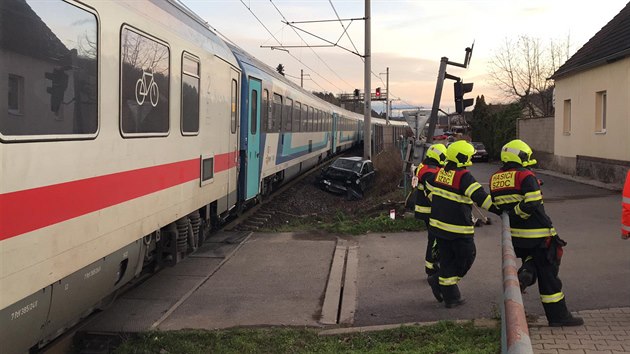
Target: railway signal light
pixel 59 80
pixel 460 102
pixel 378 92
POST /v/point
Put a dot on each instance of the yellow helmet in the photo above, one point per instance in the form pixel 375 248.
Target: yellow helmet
pixel 460 152
pixel 438 153
pixel 517 151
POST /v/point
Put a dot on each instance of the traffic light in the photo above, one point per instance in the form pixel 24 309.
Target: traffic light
pixel 378 92
pixel 59 80
pixel 356 93
pixel 461 89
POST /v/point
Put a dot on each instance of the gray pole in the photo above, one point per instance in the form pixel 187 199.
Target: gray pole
pixel 436 100
pixel 387 98
pixel 367 115
pixel 302 78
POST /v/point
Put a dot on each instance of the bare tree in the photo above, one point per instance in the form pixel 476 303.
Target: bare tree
pixel 521 69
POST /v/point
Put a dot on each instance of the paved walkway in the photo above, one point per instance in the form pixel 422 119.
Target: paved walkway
pixel 604 331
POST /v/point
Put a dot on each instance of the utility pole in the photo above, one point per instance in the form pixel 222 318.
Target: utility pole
pixel 302 78
pixel 367 116
pixel 387 98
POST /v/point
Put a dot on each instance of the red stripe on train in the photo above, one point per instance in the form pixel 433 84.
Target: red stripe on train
pixel 32 209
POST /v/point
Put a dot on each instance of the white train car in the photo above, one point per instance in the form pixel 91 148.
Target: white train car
pixel 348 129
pixel 118 146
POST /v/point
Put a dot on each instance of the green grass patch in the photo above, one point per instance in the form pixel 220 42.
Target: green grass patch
pixel 345 224
pixel 441 338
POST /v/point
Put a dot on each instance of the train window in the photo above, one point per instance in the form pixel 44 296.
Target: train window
pixel 144 85
pixel 287 115
pixel 304 118
pixel 265 112
pixel 311 118
pixel 297 112
pixel 233 107
pixel 190 95
pixel 320 118
pixel 49 62
pixel 254 113
pixel 276 113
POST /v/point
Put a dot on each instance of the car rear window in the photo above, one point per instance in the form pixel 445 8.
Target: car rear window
pixel 348 165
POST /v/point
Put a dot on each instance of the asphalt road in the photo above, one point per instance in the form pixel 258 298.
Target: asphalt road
pixel 595 268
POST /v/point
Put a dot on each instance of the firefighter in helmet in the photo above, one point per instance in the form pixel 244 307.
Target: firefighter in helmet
pixel 452 191
pixel 516 190
pixel 435 158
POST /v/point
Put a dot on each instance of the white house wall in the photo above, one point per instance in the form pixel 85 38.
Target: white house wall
pixel 581 88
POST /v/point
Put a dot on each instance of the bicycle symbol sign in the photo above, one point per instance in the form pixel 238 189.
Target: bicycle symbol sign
pixel 143 89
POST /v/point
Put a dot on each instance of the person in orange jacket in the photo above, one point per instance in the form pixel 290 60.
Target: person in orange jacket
pixel 625 209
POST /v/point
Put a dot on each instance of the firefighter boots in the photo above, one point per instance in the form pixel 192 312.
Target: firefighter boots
pixel 452 297
pixel 525 278
pixel 558 315
pixel 435 286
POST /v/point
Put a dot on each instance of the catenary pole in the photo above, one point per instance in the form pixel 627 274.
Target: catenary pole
pixel 367 116
pixel 387 98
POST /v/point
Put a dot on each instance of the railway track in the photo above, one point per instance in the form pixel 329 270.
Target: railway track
pixel 262 213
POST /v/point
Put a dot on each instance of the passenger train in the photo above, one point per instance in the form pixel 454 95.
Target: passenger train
pixel 129 130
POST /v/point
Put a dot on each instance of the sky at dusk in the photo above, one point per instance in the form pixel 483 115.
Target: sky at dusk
pixel 409 37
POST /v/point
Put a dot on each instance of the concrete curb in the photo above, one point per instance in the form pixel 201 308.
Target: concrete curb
pixel 480 323
pixel 330 307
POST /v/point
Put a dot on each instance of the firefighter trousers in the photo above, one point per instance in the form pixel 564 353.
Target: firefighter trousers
pixel 536 260
pixel 456 258
pixel 431 261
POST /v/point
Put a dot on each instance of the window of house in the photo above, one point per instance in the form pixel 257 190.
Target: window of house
pixel 566 118
pixel 16 94
pixel 190 95
pixel 144 85
pixel 600 112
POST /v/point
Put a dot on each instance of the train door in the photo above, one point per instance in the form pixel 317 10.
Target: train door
pixel 253 139
pixel 233 138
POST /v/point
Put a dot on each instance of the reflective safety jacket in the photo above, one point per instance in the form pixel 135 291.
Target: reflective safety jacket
pixel 452 191
pixel 424 172
pixel 625 207
pixel 515 189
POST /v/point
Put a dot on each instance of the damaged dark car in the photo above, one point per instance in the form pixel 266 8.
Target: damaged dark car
pixel 351 176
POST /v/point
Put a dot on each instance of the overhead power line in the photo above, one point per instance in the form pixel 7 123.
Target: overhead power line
pixel 288 52
pixel 300 61
pixel 314 52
